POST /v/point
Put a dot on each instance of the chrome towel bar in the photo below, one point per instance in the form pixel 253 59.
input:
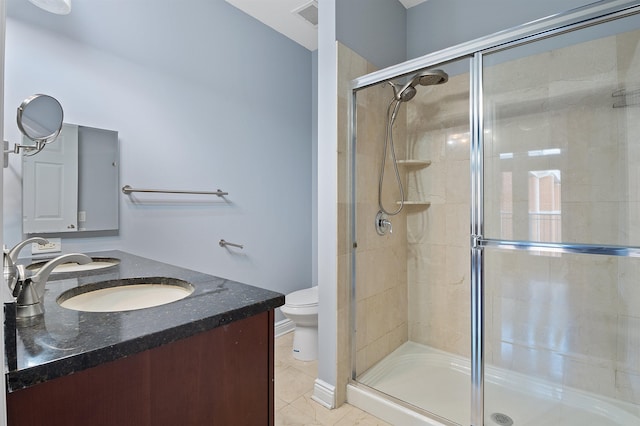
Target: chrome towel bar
pixel 223 243
pixel 128 190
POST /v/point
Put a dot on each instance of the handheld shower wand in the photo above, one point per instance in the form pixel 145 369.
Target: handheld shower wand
pixel 401 93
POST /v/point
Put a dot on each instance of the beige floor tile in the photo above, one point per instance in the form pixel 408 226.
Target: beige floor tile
pixel 292 384
pixel 319 413
pixel 291 416
pixel 360 418
pixel 279 403
pixel 294 387
pixel 284 350
pixel 309 368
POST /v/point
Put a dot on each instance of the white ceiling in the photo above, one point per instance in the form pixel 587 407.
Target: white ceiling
pixel 278 14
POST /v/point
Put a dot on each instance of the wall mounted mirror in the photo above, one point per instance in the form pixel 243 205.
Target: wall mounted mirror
pixel 39 118
pixel 73 185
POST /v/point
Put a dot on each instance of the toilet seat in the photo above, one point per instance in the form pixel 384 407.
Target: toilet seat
pixel 302 298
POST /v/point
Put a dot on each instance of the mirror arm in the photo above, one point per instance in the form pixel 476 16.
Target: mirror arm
pixel 32 149
pixel 39 146
pixel 28 150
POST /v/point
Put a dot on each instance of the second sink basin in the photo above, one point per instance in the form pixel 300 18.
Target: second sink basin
pixel 125 295
pixel 98 263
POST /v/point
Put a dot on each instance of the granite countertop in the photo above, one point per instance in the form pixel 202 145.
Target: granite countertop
pixel 64 341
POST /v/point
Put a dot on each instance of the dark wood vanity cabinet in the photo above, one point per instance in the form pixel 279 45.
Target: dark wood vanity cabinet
pixel 223 376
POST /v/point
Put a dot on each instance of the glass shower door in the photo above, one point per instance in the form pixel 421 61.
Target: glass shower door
pixel 562 224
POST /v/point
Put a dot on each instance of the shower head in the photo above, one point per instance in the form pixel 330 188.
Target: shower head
pixel 424 78
pixel 430 78
pixel 403 93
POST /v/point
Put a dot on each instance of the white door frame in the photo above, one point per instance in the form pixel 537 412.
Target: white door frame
pixel 4 290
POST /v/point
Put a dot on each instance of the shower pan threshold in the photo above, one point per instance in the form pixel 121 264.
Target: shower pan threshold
pixel 439 382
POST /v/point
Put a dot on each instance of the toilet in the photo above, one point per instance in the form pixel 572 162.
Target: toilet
pixel 301 307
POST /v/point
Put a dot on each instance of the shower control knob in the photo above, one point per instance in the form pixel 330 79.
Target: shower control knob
pixel 387 224
pixel 383 224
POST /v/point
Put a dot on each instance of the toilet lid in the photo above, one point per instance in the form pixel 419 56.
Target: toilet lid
pixel 306 297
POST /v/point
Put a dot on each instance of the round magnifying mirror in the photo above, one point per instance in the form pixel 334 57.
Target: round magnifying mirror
pixel 40 118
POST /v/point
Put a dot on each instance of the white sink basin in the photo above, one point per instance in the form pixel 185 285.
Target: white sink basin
pixel 125 295
pixel 98 263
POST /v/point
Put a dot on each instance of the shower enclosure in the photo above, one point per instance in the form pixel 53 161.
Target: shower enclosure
pixel 508 292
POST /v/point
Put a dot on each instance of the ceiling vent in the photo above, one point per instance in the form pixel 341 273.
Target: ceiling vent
pixel 308 12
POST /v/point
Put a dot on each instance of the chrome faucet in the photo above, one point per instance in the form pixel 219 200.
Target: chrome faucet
pixel 29 287
pixel 11 271
pixel 15 251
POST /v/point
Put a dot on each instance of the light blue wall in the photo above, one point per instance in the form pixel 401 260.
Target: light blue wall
pixel 437 24
pixel 203 97
pixel 375 29
pixel 384 33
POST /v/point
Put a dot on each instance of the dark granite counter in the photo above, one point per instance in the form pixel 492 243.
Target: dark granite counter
pixel 64 341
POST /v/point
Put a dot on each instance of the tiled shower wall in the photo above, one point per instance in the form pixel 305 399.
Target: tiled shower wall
pixel 438 234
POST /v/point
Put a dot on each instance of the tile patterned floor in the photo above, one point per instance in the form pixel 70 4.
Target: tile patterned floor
pixel 294 387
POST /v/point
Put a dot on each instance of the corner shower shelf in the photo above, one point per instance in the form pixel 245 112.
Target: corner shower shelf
pixel 415 203
pixel 414 163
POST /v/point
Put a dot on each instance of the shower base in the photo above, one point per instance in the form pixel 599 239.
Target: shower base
pixel 439 382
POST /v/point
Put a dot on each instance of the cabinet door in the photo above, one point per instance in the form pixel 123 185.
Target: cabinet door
pixel 50 186
pixel 226 377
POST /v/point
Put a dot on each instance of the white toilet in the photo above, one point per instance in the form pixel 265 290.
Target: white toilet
pixel 301 307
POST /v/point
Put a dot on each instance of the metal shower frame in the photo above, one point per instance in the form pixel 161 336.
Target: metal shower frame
pixel 590 15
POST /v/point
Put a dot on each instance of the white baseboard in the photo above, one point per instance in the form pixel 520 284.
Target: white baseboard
pixel 324 394
pixel 283 327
